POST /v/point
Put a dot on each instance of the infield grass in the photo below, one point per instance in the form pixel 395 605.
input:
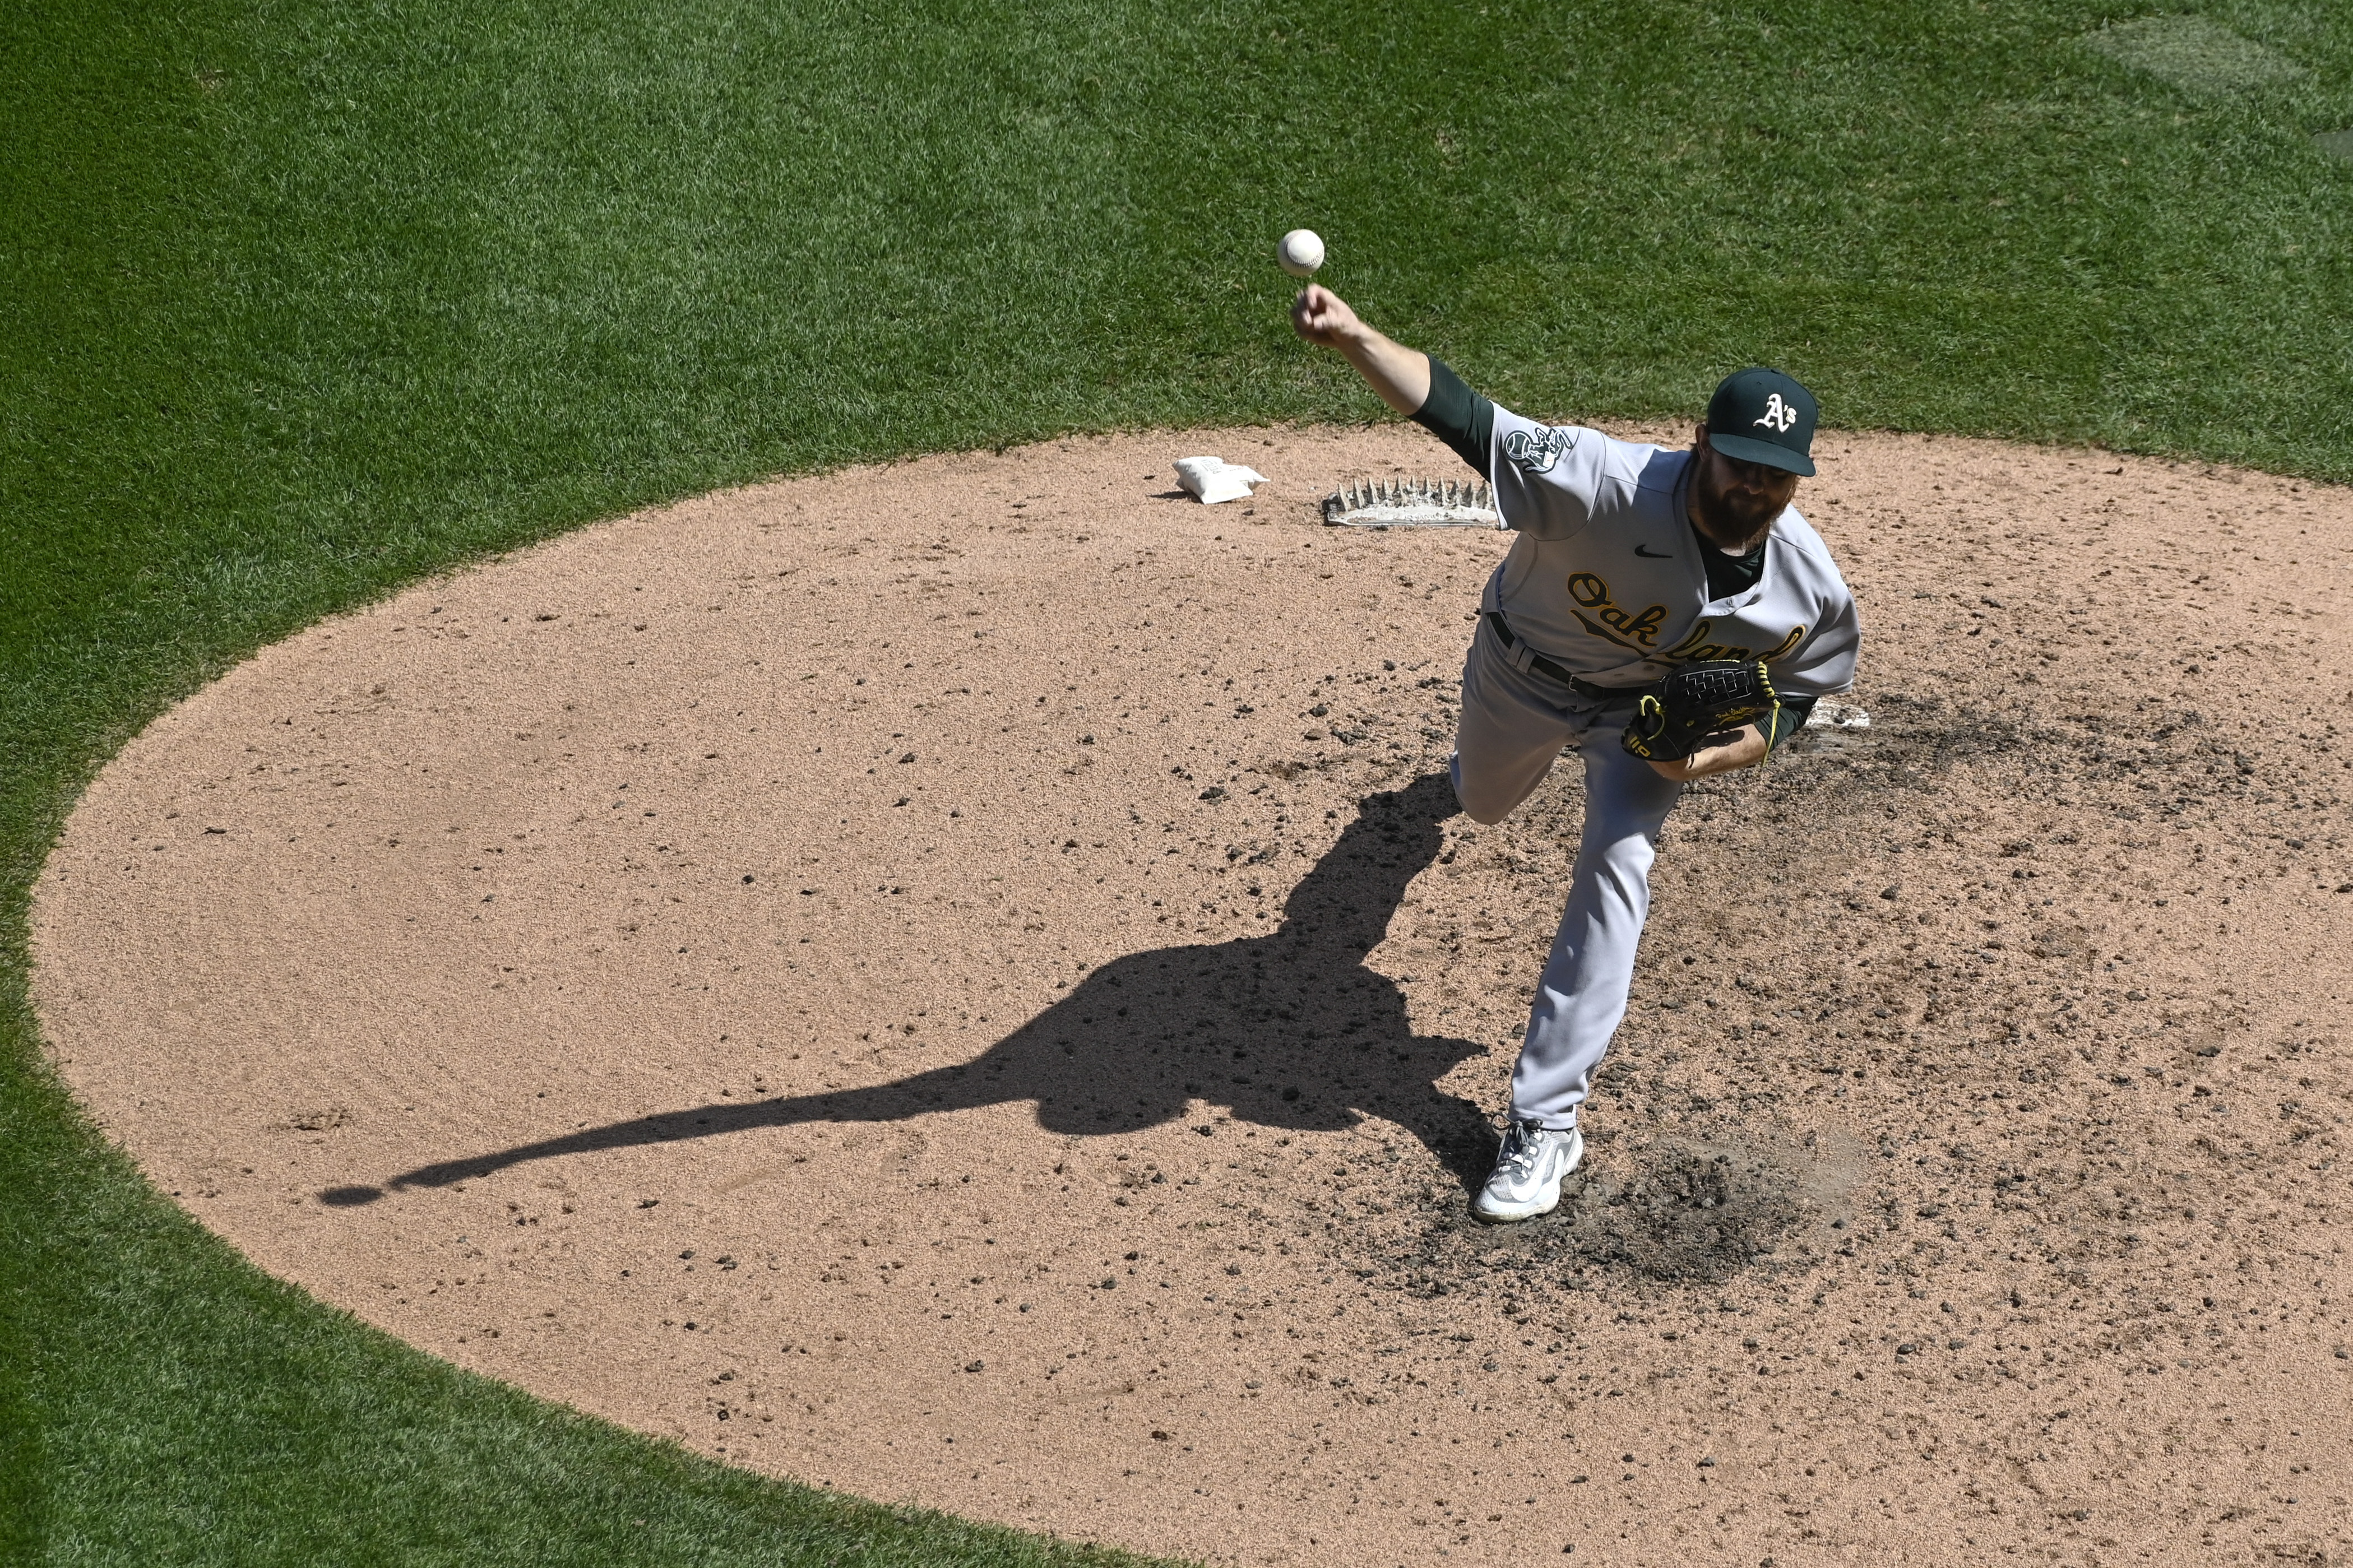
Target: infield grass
pixel 299 300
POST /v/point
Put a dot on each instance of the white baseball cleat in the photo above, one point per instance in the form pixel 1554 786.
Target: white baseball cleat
pixel 1528 1172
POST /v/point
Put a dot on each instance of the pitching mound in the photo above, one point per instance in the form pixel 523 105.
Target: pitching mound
pixel 962 981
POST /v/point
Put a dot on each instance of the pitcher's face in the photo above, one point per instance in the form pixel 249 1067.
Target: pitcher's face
pixel 1734 503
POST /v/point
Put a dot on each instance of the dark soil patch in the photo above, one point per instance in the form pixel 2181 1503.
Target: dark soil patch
pixel 1686 1212
pixel 1696 1209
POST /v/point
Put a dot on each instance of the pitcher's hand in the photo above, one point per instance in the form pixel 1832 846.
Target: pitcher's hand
pixel 1399 374
pixel 1322 317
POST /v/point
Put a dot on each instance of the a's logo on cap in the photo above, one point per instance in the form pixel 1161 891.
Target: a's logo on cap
pixel 1760 415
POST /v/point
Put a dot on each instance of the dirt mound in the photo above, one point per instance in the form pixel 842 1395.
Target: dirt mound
pixel 963 981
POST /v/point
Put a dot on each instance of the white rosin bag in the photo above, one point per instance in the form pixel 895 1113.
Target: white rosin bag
pixel 1213 479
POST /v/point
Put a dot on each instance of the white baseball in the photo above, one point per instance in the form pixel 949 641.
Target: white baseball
pixel 1302 252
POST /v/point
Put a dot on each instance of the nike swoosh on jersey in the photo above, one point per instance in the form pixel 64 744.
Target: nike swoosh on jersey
pixel 1654 554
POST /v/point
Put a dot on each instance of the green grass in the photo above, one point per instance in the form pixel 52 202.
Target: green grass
pixel 299 300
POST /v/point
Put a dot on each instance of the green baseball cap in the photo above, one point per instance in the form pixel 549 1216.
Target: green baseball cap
pixel 1761 415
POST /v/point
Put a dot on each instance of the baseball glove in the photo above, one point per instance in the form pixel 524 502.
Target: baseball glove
pixel 1697 701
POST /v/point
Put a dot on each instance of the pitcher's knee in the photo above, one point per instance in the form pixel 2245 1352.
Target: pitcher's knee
pixel 1488 794
pixel 1486 806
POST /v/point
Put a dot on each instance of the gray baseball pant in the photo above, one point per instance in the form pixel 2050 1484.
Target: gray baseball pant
pixel 1515 723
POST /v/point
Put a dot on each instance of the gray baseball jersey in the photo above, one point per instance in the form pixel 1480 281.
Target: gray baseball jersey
pixel 1606 575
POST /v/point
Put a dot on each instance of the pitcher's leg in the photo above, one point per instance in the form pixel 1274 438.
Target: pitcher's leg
pixel 1581 996
pixel 1510 734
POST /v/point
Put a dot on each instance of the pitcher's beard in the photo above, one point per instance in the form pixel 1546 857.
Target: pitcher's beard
pixel 1720 522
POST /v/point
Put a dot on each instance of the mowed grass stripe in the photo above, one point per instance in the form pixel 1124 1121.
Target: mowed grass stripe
pixel 305 300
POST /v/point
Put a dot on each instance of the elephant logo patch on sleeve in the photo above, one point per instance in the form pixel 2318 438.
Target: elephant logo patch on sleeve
pixel 1535 451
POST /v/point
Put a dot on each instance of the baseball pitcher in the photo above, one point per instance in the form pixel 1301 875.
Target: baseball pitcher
pixel 1666 613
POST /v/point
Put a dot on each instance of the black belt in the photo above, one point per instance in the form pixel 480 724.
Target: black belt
pixel 1561 673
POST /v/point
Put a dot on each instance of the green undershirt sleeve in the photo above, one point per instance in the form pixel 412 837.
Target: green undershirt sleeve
pixel 1791 719
pixel 1457 415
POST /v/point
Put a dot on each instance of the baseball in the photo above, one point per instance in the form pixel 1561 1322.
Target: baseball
pixel 1302 251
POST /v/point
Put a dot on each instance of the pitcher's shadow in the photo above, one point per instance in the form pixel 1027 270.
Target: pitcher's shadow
pixel 1291 1030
